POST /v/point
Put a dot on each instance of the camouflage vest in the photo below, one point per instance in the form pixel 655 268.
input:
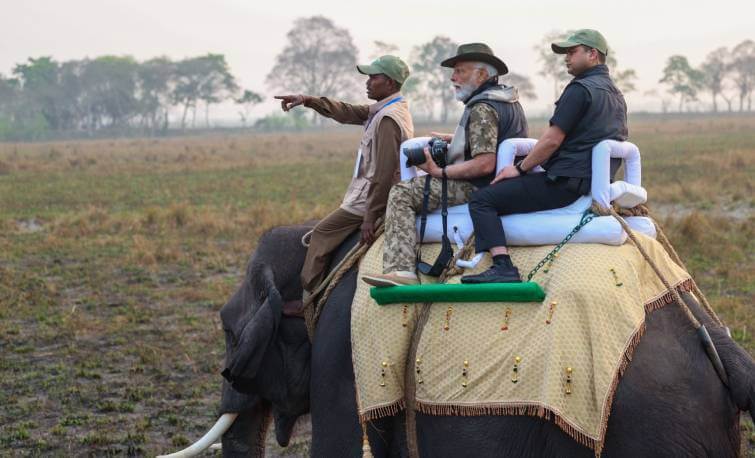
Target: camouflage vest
pixel 511 123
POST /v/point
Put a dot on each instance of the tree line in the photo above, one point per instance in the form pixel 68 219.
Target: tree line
pixel 43 97
pixel 725 73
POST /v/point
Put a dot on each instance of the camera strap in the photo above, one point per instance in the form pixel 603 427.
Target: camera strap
pixel 446 252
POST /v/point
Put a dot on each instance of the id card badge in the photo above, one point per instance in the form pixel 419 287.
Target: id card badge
pixel 359 163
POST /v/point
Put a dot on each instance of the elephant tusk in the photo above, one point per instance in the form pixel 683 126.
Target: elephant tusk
pixel 219 428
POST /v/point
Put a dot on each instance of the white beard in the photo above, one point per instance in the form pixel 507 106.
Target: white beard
pixel 464 91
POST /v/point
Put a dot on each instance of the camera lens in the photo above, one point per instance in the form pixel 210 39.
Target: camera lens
pixel 414 156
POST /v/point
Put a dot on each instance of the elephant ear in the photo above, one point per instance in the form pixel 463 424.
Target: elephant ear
pixel 244 360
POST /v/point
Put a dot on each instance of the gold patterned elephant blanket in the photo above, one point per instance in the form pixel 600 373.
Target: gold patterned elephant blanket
pixel 559 359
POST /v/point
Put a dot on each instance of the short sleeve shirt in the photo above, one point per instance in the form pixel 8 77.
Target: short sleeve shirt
pixel 570 108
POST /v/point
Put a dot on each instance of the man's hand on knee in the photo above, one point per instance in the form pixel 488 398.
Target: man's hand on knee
pixel 509 171
pixel 368 232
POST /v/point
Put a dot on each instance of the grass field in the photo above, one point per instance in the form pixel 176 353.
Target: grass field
pixel 116 255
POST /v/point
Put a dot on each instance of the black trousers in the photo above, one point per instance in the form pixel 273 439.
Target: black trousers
pixel 524 194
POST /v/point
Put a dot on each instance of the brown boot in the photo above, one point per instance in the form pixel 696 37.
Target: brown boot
pixel 397 278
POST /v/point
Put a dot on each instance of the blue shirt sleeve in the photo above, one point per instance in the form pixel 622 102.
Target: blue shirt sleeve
pixel 570 107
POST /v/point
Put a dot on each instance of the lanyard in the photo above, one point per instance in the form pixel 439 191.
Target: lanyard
pixel 397 99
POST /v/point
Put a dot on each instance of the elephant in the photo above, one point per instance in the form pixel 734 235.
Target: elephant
pixel 668 403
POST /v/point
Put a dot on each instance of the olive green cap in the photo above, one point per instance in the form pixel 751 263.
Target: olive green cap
pixel 587 37
pixel 391 66
pixel 476 52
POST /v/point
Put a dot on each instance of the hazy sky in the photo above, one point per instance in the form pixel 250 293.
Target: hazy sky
pixel 250 33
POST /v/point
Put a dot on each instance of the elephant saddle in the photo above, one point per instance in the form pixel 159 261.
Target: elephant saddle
pixel 559 359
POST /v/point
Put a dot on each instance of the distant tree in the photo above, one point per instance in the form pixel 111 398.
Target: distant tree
pixel 728 95
pixel 9 94
pixel 421 101
pixel 45 95
pixel 218 83
pixel 320 58
pixel 522 83
pixel 381 48
pixel 714 72
pixel 109 84
pixel 72 114
pixel 665 102
pixel 743 69
pixel 206 78
pixel 9 91
pixel 682 79
pixel 432 79
pixel 41 92
pixel 296 120
pixel 247 100
pixel 188 75
pixel 155 79
pixel 552 64
pixel 624 79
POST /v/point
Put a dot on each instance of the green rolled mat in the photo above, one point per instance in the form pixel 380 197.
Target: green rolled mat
pixel 459 292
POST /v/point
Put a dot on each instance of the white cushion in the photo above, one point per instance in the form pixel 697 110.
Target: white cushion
pixel 549 227
pixel 541 228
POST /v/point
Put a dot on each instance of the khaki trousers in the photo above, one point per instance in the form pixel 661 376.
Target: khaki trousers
pixel 327 236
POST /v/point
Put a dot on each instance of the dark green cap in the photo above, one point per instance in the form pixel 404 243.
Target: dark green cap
pixel 391 66
pixel 587 37
pixel 476 52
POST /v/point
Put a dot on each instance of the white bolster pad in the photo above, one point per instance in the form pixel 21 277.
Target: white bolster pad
pixel 530 229
pixel 601 168
pixel 509 149
pixel 627 195
pixel 641 224
pixel 411 172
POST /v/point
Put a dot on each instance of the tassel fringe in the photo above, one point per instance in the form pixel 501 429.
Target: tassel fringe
pixel 382 411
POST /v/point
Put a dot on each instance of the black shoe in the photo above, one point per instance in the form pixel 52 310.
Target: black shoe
pixel 496 274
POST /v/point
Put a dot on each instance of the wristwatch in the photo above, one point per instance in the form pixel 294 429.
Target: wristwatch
pixel 518 167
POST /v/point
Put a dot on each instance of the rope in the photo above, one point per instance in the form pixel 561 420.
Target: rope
pixel 642 210
pixel 706 340
pixel 678 260
pixel 630 233
pixel 410 382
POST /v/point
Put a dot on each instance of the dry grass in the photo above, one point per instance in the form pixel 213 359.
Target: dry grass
pixel 117 255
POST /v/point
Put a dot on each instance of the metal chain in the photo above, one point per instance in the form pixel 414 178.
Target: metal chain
pixel 587 216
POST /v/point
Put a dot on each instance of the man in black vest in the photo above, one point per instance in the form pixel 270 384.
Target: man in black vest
pixel 591 109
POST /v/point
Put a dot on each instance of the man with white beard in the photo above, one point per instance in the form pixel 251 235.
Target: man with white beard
pixel 492 114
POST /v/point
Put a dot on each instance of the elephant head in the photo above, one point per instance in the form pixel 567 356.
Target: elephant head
pixel 267 364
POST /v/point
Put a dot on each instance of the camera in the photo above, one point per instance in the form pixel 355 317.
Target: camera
pixel 438 151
